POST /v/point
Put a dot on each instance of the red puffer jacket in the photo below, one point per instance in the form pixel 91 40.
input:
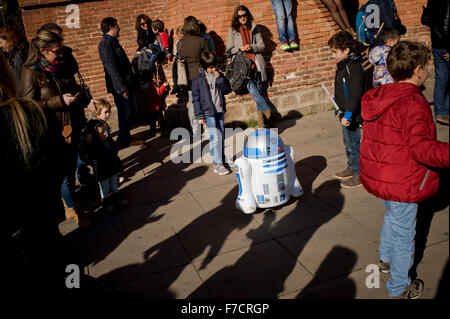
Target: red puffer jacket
pixel 399 147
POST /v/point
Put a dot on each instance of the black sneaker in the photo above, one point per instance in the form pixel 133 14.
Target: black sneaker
pixel 352 182
pixel 345 174
pixel 413 291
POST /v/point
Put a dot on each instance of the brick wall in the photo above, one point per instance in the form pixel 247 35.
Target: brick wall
pixel 294 77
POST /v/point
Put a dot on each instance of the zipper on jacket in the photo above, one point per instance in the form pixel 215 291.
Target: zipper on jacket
pixel 424 180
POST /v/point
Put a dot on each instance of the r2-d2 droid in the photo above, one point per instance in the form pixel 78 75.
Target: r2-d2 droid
pixel 266 172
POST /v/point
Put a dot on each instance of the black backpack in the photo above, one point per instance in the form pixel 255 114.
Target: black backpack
pixel 239 71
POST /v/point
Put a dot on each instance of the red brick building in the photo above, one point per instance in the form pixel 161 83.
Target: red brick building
pixel 295 77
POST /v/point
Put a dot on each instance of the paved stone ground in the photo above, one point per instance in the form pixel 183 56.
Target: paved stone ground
pixel 181 236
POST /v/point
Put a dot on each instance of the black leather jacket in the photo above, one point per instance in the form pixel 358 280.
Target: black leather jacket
pixel 436 16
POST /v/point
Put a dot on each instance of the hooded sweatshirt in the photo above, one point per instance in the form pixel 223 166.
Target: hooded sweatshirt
pixel 399 152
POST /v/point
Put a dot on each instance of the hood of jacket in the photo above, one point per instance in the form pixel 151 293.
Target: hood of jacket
pixel 377 101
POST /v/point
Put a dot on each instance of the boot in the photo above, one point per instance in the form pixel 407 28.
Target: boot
pixel 267 114
pixel 78 215
pixel 260 118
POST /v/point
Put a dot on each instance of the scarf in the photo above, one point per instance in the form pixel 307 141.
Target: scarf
pixel 46 66
pixel 246 36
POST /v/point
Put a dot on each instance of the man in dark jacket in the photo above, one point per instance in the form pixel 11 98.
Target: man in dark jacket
pixel 350 84
pixel 119 78
pixel 436 16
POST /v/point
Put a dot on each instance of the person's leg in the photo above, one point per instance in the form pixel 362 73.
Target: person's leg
pixel 220 119
pixel 290 21
pixel 441 99
pixel 261 103
pixel 343 14
pixel 214 139
pixel 280 15
pixel 105 188
pixel 332 7
pixel 133 107
pixel 123 115
pixel 352 141
pixel 152 122
pixel 196 128
pixel 385 248
pixel 68 184
pixel 403 228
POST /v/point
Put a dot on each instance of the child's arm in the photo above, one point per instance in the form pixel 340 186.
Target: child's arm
pixel 422 146
pixel 196 100
pixel 223 84
pixel 375 55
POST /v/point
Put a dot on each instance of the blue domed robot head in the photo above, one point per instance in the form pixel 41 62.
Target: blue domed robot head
pixel 263 143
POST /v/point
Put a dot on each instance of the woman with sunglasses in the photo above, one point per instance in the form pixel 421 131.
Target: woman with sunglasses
pixel 244 36
pixel 145 35
pixel 44 81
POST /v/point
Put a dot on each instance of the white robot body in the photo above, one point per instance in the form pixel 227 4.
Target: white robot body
pixel 266 172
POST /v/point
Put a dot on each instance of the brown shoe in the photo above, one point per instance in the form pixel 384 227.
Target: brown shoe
pixel 413 291
pixel 345 174
pixel 442 120
pixel 384 267
pixel 352 182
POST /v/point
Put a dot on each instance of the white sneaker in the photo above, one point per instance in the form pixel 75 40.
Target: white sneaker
pixel 120 180
pixel 221 170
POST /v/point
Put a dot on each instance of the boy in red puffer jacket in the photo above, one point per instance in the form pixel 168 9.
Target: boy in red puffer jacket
pixel 398 153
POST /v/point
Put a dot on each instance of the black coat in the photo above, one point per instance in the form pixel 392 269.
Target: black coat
pixel 348 96
pixel 102 156
pixel 117 66
pixel 436 16
pixel 145 38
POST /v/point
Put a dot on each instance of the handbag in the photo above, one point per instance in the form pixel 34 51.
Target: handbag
pixel 85 97
pixel 181 71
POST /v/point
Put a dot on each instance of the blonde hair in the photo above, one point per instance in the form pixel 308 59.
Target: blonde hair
pixel 28 126
pixel 100 105
pixel 43 39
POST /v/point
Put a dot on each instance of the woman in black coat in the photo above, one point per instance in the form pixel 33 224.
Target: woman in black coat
pixel 145 35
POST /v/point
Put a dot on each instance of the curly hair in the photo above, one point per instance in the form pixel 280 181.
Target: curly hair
pixel 235 24
pixel 405 57
pixel 141 17
pixel 14 37
pixel 341 41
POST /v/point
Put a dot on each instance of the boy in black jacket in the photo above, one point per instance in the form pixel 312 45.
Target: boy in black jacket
pixel 350 83
pixel 208 90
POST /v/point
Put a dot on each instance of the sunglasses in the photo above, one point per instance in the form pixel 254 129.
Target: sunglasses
pixel 57 52
pixel 242 16
pixel 143 23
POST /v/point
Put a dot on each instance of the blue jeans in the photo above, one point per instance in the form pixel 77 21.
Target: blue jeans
pixel 126 110
pixel 352 139
pixel 216 131
pixel 68 184
pixel 397 243
pixel 285 23
pixel 441 99
pixel 109 186
pixel 255 89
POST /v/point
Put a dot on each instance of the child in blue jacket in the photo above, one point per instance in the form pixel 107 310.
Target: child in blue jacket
pixel 208 92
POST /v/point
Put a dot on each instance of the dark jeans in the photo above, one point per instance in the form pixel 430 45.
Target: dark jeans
pixel 68 184
pixel 126 111
pixel 441 99
pixel 352 139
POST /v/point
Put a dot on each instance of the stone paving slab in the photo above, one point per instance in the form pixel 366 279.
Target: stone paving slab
pixel 264 270
pixel 181 236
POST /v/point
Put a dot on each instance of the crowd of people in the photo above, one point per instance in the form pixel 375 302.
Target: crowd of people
pixel 49 143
